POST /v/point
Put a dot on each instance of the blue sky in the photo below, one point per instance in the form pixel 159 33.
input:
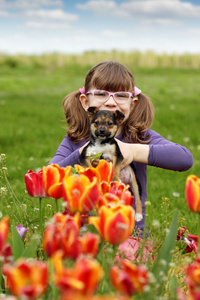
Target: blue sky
pixel 75 26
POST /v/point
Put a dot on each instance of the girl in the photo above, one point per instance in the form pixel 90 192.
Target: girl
pixel 110 86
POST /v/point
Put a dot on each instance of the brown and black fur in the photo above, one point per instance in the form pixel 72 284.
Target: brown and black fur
pixel 103 127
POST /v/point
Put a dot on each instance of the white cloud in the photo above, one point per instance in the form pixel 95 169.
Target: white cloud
pixel 49 19
pixel 147 8
pixel 27 4
pixel 47 25
pixel 101 7
pixel 56 14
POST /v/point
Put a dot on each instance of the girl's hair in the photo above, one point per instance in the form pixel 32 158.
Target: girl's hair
pixel 110 76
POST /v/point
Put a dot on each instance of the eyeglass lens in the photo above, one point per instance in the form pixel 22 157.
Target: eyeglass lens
pixel 104 95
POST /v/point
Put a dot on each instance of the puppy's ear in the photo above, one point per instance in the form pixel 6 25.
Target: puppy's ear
pixel 92 110
pixel 119 117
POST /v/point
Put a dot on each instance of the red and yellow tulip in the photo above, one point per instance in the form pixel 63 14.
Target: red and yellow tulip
pixel 53 176
pixel 193 279
pixel 82 278
pixel 89 244
pixel 27 280
pixel 77 296
pixel 192 193
pixel 114 224
pixel 62 233
pixel 80 194
pixel 4 228
pixel 5 250
pixel 103 171
pixel 130 278
pixel 115 193
pixel 34 184
pixel 89 172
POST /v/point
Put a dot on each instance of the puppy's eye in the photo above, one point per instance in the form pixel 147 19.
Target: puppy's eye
pixel 110 123
pixel 96 123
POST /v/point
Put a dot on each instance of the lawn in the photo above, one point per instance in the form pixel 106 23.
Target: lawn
pixel 32 122
pixel 32 126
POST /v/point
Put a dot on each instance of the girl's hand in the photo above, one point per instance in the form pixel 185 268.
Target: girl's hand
pixel 133 152
pixel 81 148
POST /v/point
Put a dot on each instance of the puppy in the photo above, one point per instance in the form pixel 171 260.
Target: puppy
pixel 103 127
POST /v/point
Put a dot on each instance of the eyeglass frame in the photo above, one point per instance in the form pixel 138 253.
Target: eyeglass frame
pixel 113 95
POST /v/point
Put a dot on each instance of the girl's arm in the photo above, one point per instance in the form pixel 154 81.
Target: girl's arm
pixel 67 153
pixel 159 153
pixel 133 152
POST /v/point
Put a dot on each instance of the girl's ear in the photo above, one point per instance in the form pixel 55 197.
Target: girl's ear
pixel 134 102
pixel 84 101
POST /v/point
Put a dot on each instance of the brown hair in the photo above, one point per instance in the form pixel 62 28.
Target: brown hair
pixel 110 76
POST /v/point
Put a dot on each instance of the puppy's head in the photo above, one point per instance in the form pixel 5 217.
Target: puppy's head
pixel 104 123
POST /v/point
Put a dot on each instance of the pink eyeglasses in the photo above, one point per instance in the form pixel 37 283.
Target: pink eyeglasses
pixel 103 96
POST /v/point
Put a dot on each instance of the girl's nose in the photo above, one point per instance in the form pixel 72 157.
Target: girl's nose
pixel 110 101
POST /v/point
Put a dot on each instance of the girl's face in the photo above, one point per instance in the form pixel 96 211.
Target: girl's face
pixel 110 104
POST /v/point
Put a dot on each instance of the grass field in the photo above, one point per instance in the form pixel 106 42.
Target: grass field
pixel 32 127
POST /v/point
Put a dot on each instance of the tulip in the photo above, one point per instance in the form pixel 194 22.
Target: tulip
pixel 27 280
pixel 76 296
pixel 7 253
pixel 192 193
pixel 4 228
pixel 53 176
pixel 103 171
pixel 89 244
pixel 34 184
pixel 193 279
pixel 83 277
pixel 180 234
pixel 62 233
pixel 114 224
pixel 89 172
pixel 130 278
pixel 192 243
pixel 190 239
pixel 114 187
pixel 80 194
pixel 115 192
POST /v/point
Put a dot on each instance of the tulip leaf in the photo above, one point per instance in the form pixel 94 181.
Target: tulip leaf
pixel 173 285
pixel 31 249
pixel 161 264
pixel 17 243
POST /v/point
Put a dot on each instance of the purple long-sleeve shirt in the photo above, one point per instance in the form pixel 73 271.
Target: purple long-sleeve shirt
pixel 162 153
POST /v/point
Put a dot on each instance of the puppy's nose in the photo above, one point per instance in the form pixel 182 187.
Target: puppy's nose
pixel 102 130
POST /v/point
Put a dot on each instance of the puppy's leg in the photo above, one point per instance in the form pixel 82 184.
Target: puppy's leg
pixel 135 189
pixel 83 158
pixel 116 168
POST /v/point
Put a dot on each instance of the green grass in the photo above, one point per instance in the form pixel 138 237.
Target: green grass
pixel 31 123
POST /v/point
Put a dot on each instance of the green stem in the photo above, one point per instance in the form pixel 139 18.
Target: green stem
pixel 56 202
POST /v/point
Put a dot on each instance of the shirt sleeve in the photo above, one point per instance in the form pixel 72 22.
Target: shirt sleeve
pixel 67 153
pixel 168 155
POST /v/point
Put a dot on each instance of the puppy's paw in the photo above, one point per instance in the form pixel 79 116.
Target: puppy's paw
pixel 138 217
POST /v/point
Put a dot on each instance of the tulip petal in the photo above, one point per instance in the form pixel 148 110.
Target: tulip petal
pixel 192 193
pixel 4 228
pixel 105 170
pixel 114 224
pixel 81 194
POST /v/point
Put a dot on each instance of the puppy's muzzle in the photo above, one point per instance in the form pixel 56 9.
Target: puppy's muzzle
pixel 102 132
